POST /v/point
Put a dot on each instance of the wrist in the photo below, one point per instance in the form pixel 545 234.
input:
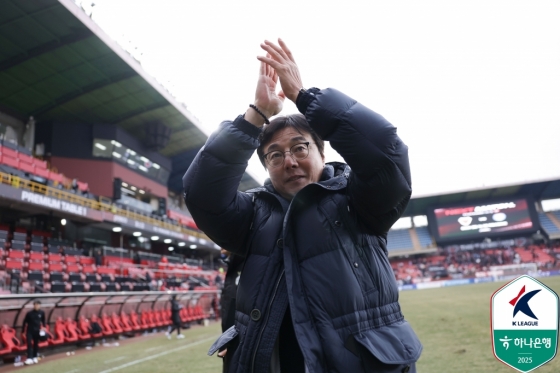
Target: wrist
pixel 254 118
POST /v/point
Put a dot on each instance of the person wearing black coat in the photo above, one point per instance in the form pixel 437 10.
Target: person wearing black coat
pixel 175 318
pixel 33 323
pixel 317 293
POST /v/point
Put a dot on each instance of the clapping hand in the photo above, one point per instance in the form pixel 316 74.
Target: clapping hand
pixel 280 59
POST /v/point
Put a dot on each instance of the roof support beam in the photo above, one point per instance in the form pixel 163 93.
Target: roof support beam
pixel 142 110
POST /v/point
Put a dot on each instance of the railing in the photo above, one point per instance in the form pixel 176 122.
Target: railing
pixel 104 204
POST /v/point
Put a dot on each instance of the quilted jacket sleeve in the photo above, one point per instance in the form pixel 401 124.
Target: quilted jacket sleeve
pixel 211 182
pixel 380 183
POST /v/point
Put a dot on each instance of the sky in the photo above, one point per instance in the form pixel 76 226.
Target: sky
pixel 473 87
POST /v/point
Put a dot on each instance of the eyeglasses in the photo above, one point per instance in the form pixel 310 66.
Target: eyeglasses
pixel 298 152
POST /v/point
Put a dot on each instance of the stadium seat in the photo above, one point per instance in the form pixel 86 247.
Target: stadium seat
pixel 86 260
pixel 58 287
pixel 55 258
pixel 88 269
pixel 10 341
pixel 71 259
pixel 105 330
pixel 59 334
pixel 119 324
pixel 108 327
pixel 184 315
pixel 14 265
pixel 77 287
pixel 84 329
pixel 71 330
pixel 132 320
pixel 72 268
pixel 16 254
pixel 38 256
pixel 147 319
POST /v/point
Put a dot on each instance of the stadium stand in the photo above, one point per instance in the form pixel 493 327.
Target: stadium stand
pixel 547 224
pixel 399 239
pixel 424 237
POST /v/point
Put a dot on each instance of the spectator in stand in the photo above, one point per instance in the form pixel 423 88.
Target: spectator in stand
pixel 33 325
pixel 98 258
pixel 175 319
pixel 137 259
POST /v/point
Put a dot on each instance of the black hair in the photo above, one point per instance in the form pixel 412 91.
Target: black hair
pixel 295 121
pixel 37 302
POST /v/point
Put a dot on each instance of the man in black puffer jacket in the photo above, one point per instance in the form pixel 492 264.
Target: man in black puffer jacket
pixel 317 292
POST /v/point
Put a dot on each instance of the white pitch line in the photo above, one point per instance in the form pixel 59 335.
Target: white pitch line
pixel 115 359
pixel 73 371
pixel 134 362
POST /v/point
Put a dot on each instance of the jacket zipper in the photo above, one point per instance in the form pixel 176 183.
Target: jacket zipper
pixel 266 321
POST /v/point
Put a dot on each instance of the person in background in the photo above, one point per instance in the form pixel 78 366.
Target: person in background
pixel 98 257
pixel 175 318
pixel 33 323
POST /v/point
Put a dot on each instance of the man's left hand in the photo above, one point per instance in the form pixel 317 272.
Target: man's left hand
pixel 283 62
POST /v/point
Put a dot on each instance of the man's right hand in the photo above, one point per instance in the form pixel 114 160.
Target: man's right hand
pixel 267 100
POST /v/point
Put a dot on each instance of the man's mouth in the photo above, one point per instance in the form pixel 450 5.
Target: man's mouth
pixel 294 178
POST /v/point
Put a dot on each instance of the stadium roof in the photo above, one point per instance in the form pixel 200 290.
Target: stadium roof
pixel 539 190
pixel 57 64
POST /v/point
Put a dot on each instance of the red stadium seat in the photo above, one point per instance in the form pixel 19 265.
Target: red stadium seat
pixel 83 329
pixel 39 163
pixel 147 319
pixel 59 333
pixel 36 266
pixel 9 152
pixel 158 318
pixel 118 323
pixel 55 258
pixel 36 256
pixel 108 327
pixel 55 267
pixel 135 321
pixel 10 341
pixel 10 161
pixel 24 158
pixel 128 326
pixel 16 254
pixel 73 268
pixel 184 315
pixel 86 260
pixel 88 269
pixel 70 259
pixel 27 167
pixel 14 265
pixel 42 172
pixel 71 330
pixel 106 270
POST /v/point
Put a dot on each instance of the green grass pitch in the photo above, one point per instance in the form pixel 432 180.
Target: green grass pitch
pixel 453 324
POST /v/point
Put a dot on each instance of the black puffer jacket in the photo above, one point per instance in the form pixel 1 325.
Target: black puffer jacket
pixel 328 245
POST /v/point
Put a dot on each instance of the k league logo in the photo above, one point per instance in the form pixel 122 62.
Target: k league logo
pixel 524 319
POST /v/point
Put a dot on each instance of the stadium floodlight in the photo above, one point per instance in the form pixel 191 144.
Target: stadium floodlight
pixel 154 238
pixel 116 143
pixel 141 191
pixel 100 146
pixel 182 244
pixel 193 246
pixel 170 248
pixel 144 159
pixel 124 184
pixel 143 168
pixel 156 166
pixel 137 234
pixel 133 187
pixel 117 229
pixel 167 240
pixel 130 161
pixel 116 155
pixel 62 221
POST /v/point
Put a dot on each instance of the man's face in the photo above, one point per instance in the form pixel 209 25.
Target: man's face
pixel 37 307
pixel 293 175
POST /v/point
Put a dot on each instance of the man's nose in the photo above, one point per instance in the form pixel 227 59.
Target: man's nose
pixel 289 161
